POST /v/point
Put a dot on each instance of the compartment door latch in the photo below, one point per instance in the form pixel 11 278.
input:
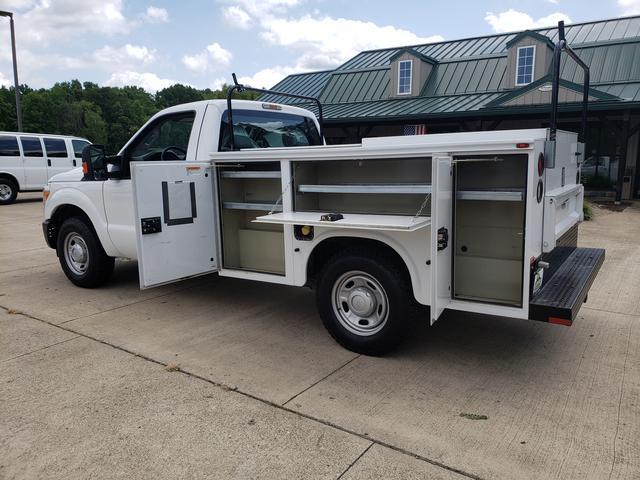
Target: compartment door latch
pixel 443 238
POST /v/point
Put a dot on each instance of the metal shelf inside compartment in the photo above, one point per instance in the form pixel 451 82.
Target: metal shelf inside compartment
pixel 257 205
pixel 506 195
pixel 390 188
pixel 250 174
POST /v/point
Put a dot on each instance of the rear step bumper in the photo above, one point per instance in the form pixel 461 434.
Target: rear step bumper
pixel 562 295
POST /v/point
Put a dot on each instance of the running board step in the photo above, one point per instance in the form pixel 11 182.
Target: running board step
pixel 562 295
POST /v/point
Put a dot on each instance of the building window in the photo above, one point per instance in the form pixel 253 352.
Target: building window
pixel 525 65
pixel 404 77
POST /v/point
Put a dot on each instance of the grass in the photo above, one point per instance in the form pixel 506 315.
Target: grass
pixel 587 210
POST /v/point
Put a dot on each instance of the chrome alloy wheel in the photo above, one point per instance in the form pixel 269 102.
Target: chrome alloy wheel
pixel 5 192
pixel 76 253
pixel 360 303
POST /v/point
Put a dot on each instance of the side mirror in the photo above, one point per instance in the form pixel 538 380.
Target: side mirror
pixel 115 172
pixel 93 162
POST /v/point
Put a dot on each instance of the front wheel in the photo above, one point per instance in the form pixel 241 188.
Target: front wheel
pixel 81 255
pixel 8 191
pixel 365 301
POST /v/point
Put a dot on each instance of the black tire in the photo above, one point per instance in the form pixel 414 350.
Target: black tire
pixel 396 287
pixel 98 266
pixel 10 185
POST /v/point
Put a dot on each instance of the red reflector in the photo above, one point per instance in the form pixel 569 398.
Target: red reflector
pixel 560 321
pixel 540 164
pixel 522 145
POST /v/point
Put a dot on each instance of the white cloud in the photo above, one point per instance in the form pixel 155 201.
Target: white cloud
pixel 12 5
pixel 328 42
pixel 555 2
pixel 268 77
pixel 123 57
pixel 156 15
pixel 214 57
pixel 236 17
pixel 629 7
pixel 262 8
pixel 512 20
pixel 4 81
pixel 148 81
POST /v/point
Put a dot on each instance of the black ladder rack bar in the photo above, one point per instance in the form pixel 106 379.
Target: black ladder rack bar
pixel 241 88
pixel 560 47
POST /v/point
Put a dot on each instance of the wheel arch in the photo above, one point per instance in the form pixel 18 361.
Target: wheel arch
pixel 330 245
pixel 11 177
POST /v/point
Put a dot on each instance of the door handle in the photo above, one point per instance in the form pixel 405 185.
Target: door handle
pixel 74 162
pixel 48 162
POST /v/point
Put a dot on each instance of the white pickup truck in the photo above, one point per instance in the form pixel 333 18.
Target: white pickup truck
pixel 482 222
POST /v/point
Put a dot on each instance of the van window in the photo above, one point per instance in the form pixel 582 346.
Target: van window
pixel 31 146
pixel 78 146
pixel 167 138
pixel 9 146
pixel 258 129
pixel 55 147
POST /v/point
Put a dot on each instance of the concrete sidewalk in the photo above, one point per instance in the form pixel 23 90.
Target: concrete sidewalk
pixel 257 388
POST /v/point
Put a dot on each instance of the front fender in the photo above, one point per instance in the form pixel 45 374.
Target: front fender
pixel 90 201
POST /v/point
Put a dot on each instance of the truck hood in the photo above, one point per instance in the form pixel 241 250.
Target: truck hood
pixel 74 175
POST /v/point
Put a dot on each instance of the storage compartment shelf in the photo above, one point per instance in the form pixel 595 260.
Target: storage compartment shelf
pixel 262 206
pixel 402 223
pixel 491 195
pixel 367 188
pixel 250 174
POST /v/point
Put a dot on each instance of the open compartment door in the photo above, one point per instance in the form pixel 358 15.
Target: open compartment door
pixel 175 220
pixel 441 232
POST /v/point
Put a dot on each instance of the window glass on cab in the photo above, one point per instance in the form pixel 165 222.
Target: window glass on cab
pixel 31 146
pixel 263 129
pixel 167 138
pixel 55 147
pixel 78 146
pixel 9 146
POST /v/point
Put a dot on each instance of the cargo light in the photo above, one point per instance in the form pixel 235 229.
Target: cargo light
pixel 522 145
pixel 271 106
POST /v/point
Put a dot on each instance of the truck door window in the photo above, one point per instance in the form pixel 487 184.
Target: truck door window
pixel 9 146
pixel 263 129
pixel 55 148
pixel 31 146
pixel 78 146
pixel 165 139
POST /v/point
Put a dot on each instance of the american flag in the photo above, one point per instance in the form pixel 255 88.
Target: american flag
pixel 415 129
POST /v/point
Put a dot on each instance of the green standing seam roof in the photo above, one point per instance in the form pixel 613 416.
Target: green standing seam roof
pixel 468 75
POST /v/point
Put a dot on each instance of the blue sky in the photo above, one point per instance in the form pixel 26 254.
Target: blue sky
pixel 155 43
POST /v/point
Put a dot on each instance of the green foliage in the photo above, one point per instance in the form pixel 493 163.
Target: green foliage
pixel 104 115
pixel 587 210
pixel 597 182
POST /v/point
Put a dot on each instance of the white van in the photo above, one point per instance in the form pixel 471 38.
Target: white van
pixel 29 160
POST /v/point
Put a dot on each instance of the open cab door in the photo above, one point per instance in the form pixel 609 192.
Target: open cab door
pixel 441 230
pixel 174 206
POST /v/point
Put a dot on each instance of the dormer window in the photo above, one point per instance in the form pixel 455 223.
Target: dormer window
pixel 525 65
pixel 404 77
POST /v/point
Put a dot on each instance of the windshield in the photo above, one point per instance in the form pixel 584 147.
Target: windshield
pixel 258 129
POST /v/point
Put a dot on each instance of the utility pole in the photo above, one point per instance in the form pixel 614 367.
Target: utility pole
pixel 15 67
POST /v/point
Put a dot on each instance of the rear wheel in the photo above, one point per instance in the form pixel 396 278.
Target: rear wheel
pixel 81 255
pixel 8 191
pixel 365 301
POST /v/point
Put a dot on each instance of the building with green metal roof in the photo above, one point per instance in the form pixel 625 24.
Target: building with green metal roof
pixel 493 82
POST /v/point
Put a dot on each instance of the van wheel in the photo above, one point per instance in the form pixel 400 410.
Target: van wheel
pixel 365 301
pixel 81 255
pixel 8 191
